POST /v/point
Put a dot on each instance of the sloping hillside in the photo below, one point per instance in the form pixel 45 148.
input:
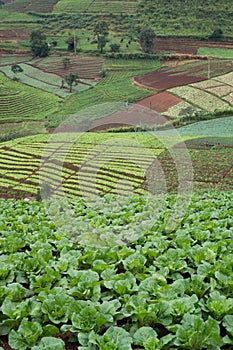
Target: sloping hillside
pixel 187 17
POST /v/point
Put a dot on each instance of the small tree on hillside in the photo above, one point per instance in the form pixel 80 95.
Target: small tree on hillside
pixel 66 62
pixel 101 33
pixel 147 36
pixel 15 68
pixel 71 42
pixel 217 35
pixel 70 79
pixel 115 47
pixel 39 46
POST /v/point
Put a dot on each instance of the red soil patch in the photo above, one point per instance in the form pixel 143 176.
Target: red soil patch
pixel 189 46
pixel 160 102
pixel 163 80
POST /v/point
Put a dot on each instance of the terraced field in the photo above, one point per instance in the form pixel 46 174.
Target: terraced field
pixel 96 6
pixel 190 46
pixel 19 102
pixel 30 5
pixel 95 164
pixel 87 67
pixel 77 165
pixel 189 90
pixel 46 81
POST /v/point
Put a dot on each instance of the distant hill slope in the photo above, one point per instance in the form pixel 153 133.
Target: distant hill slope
pixel 187 17
pixel 176 18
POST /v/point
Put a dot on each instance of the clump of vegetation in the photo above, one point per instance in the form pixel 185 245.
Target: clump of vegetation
pixel 38 44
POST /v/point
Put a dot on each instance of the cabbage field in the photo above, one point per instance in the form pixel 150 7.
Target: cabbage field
pixel 168 287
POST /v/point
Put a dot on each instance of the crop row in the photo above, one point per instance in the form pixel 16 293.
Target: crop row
pixel 83 66
pixel 24 101
pixel 45 81
pixel 113 270
pixel 31 5
pixel 72 6
pixel 113 7
pixel 199 98
pixel 112 165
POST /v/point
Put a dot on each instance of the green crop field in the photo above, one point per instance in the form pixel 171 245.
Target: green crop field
pixel 105 154
pixel 45 81
pixel 216 127
pixel 157 289
pixel 96 6
pixel 213 52
pixel 19 102
pixel 116 86
pixel 116 221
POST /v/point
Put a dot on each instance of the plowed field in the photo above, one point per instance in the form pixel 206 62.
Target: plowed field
pixel 189 46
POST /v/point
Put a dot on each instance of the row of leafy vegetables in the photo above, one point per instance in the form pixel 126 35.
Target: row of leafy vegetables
pixel 168 289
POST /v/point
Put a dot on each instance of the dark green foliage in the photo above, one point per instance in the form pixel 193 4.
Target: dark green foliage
pixel 70 79
pixel 16 69
pixel 217 35
pixel 164 290
pixel 71 42
pixel 101 31
pixel 115 47
pixel 189 18
pixel 38 44
pixel 147 36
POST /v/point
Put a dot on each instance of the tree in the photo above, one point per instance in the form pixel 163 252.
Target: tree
pixel 217 35
pixel 101 33
pixel 147 36
pixel 66 62
pixel 39 46
pixel 70 79
pixel 72 42
pixel 15 68
pixel 115 47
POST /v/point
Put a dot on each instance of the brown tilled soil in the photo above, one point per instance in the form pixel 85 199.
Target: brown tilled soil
pixel 13 34
pixel 160 102
pixel 189 46
pixel 163 80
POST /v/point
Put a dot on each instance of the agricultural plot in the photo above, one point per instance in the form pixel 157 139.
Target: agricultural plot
pixel 160 102
pixel 19 102
pixel 96 6
pixel 200 99
pixel 150 285
pixel 212 168
pixel 209 95
pixel 180 109
pixel 213 128
pixel 96 164
pixel 216 52
pixel 31 5
pixel 45 81
pixel 194 47
pixel 71 6
pixel 116 86
pixel 192 72
pixel 86 67
pixel 108 163
pixel 113 7
pixel 10 59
